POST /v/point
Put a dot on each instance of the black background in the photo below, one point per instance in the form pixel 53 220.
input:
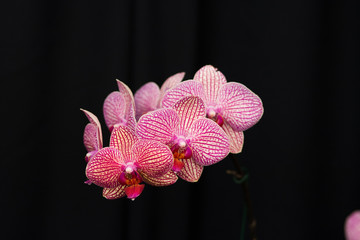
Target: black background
pixel 300 57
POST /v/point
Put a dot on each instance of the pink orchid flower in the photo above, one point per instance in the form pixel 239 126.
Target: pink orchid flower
pixel 92 135
pixel 195 141
pixel 352 226
pixel 232 105
pixel 149 96
pixel 119 108
pixel 127 162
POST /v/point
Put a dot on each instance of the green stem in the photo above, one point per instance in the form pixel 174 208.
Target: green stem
pixel 243 180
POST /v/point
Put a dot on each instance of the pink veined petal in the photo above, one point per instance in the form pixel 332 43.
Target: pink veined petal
pixel 158 125
pixel 146 99
pixel 191 172
pixel 153 158
pixel 123 138
pixel 126 92
pixel 189 110
pixel 170 83
pixel 352 226
pixel 241 108
pixel 212 80
pixel 104 168
pixel 114 193
pixel 130 104
pixel 94 120
pixel 92 138
pixel 131 121
pixel 209 142
pixel 184 89
pixel 114 109
pixel 167 179
pixel 236 139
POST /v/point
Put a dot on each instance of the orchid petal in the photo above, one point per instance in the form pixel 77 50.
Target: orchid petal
pixel 236 139
pixel 209 142
pixel 114 193
pixel 191 171
pixel 126 92
pixel 158 125
pixel 170 83
pixel 94 120
pixel 240 106
pixel 153 158
pixel 167 179
pixel 104 168
pixel 114 109
pixel 212 80
pixel 352 226
pixel 184 89
pixel 123 138
pixel 130 104
pixel 91 138
pixel 146 98
pixel 189 110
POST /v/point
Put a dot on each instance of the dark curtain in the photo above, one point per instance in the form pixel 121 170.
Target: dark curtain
pixel 300 57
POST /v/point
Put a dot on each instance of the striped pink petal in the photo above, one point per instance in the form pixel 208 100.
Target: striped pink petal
pixel 236 139
pixel 189 110
pixel 92 138
pixel 209 142
pixel 153 158
pixel 146 99
pixel 184 89
pixel 191 172
pixel 170 83
pixel 126 92
pixel 114 193
pixel 167 179
pixel 104 168
pixel 114 109
pixel 130 104
pixel 158 125
pixel 94 120
pixel 212 80
pixel 123 138
pixel 240 106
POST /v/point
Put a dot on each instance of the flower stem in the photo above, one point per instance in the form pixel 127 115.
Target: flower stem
pixel 242 178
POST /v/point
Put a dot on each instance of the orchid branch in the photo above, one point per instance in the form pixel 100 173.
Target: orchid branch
pixel 242 178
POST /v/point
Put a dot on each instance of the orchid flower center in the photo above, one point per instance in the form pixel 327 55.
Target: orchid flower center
pixel 131 179
pixel 180 151
pixel 213 114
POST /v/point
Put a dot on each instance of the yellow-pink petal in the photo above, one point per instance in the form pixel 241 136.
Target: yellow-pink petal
pixel 212 80
pixel 123 138
pixel 104 168
pixel 240 107
pixel 191 172
pixel 158 125
pixel 152 157
pixel 209 143
pixel 114 193
pixel 189 109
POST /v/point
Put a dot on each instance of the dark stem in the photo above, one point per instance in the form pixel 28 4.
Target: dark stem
pixel 239 175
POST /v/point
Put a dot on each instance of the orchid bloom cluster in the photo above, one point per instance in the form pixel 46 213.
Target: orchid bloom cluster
pixel 161 134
